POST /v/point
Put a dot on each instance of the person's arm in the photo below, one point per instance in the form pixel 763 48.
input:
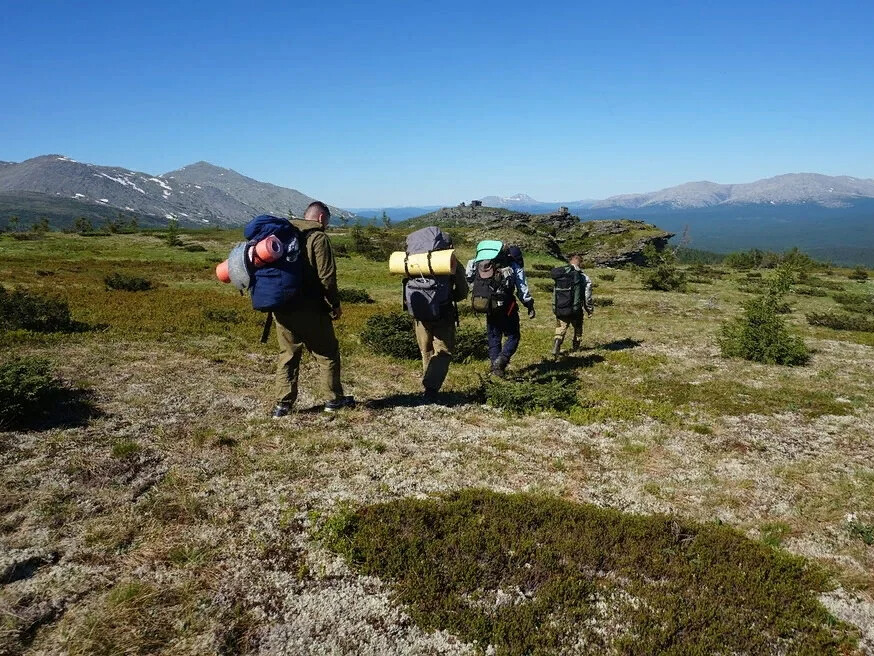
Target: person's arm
pixel 322 257
pixel 522 286
pixel 459 293
pixel 590 307
pixel 470 270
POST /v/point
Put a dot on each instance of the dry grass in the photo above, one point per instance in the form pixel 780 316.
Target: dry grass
pixel 184 488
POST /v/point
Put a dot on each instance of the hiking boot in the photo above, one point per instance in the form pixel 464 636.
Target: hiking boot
pixel 338 404
pixel 430 395
pixel 499 366
pixel 281 410
pixel 576 345
pixel 556 347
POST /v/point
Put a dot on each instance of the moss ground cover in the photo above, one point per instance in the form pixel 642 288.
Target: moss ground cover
pixel 526 574
pixel 171 478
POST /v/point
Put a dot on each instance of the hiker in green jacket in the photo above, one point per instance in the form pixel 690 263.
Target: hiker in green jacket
pixel 571 296
pixel 307 320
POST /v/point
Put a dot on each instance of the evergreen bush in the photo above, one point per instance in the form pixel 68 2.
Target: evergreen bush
pixel 840 321
pixel 127 283
pixel 859 274
pixel 761 334
pixel 661 272
pixel 22 310
pixel 471 343
pixel 26 385
pixel 391 334
pixel 354 296
pixel 532 395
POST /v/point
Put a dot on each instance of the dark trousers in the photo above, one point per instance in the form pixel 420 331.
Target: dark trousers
pixel 503 325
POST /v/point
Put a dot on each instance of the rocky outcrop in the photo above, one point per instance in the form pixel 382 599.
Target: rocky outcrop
pixel 614 242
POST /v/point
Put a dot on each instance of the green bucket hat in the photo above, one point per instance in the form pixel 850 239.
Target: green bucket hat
pixel 488 249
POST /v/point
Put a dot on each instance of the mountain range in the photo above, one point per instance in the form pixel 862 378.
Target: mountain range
pixel 61 189
pixel 829 216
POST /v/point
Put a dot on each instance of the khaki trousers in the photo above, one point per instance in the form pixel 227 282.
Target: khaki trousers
pixel 310 328
pixel 436 340
pixel 561 326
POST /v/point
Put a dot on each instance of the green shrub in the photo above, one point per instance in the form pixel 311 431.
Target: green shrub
pixel 862 531
pixel 222 315
pixel 840 321
pixel 354 296
pixel 760 334
pixel 661 272
pixel 391 334
pixel 607 277
pixel 533 574
pixel 127 283
pixel 856 303
pixel 809 291
pixel 532 395
pixel 542 267
pixel 22 310
pixel 26 386
pixel 470 344
pixel 547 287
pixel 602 301
pixel 859 274
pixel 194 248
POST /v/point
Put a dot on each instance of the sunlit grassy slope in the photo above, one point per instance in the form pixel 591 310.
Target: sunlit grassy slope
pixel 182 519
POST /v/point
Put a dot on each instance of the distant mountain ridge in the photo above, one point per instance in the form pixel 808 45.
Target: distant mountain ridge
pixel 787 189
pixel 202 194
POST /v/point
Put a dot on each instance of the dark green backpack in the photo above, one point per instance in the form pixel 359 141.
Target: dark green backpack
pixel 567 294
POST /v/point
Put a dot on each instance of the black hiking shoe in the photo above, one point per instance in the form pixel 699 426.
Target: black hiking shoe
pixel 281 410
pixel 499 366
pixel 338 404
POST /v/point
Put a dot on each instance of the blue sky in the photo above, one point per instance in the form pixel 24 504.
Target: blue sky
pixel 390 103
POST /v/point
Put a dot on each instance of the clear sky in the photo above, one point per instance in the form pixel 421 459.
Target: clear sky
pixel 390 103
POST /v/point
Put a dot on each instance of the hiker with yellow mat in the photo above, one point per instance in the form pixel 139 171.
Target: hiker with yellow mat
pixel 496 273
pixel 433 285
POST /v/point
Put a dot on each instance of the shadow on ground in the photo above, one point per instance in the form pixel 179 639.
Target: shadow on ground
pixel 71 408
pixel 447 399
pixel 616 345
pixel 557 368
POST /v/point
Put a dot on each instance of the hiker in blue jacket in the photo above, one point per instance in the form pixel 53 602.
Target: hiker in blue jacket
pixel 498 271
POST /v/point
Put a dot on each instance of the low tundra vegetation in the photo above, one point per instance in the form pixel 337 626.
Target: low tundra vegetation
pixel 525 573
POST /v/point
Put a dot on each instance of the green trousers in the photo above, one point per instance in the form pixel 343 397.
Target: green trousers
pixel 299 328
pixel 436 340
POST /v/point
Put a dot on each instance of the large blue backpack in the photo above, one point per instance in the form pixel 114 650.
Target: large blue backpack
pixel 274 285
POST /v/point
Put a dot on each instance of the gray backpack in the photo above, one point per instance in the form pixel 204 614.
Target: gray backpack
pixel 427 298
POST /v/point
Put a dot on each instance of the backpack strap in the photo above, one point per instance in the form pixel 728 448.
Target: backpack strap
pixel 265 332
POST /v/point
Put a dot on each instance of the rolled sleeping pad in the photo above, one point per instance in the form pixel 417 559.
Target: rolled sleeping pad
pixel 221 272
pixel 266 251
pixel 261 254
pixel 239 267
pixel 440 263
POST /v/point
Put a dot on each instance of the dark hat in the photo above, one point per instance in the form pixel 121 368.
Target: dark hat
pixel 515 254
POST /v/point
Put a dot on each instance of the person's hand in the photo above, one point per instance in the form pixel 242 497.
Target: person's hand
pixel 531 312
pixel 336 313
pixel 590 311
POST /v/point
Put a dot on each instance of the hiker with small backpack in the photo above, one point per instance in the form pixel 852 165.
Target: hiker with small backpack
pixel 571 296
pixel 497 276
pixel 431 298
pixel 305 318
